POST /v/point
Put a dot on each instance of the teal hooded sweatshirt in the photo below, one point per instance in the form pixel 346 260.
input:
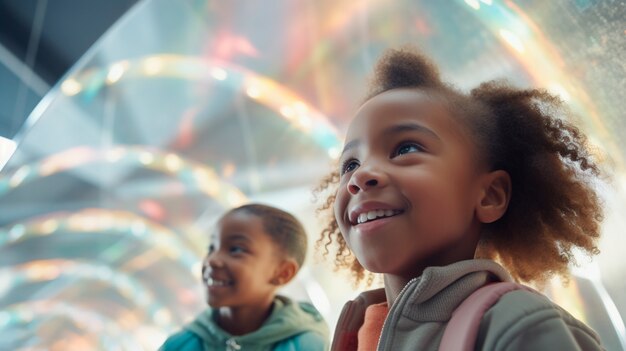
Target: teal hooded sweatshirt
pixel 291 326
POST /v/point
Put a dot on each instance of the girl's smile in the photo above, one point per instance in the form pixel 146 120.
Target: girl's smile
pixel 369 211
pixel 369 217
pixel 408 185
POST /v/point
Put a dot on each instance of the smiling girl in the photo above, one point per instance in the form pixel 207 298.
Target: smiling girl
pixel 433 185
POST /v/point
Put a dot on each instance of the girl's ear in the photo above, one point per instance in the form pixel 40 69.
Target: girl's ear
pixel 495 196
pixel 287 269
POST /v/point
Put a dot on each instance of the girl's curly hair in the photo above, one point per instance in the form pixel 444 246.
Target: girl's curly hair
pixel 553 207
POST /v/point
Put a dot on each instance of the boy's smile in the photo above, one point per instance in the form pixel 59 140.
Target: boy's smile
pixel 212 282
pixel 409 184
pixel 240 264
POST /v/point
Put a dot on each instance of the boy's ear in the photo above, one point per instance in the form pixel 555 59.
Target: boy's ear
pixel 495 196
pixel 287 269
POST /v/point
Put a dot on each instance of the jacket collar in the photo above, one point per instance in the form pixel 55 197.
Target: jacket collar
pixel 435 294
pixel 288 318
pixel 430 297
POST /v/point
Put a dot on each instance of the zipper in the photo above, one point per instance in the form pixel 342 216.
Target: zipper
pixel 395 303
pixel 232 345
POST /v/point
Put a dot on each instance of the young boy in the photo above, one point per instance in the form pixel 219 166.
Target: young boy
pixel 255 250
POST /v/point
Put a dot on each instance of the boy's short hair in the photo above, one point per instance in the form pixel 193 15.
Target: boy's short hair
pixel 284 229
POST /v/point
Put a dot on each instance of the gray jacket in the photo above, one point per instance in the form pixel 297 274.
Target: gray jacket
pixel 520 320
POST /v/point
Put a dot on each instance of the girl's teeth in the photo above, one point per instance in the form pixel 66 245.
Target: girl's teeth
pixel 362 218
pixel 368 216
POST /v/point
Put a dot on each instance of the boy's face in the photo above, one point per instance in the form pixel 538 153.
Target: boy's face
pixel 241 263
pixel 408 185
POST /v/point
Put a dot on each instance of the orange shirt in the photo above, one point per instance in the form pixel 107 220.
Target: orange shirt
pixel 369 333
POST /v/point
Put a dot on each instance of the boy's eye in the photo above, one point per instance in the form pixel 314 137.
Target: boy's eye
pixel 408 148
pixel 349 166
pixel 236 249
pixel 211 249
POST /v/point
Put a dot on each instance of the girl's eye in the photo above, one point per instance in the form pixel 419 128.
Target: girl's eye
pixel 408 148
pixel 349 166
pixel 211 249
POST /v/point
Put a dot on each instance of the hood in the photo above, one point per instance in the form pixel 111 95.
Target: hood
pixel 288 319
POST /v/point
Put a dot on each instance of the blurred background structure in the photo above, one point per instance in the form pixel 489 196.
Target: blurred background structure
pixel 129 126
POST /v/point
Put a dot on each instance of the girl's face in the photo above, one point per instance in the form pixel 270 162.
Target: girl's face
pixel 409 185
pixel 240 264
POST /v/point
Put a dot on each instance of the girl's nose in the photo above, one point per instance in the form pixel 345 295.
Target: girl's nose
pixel 366 178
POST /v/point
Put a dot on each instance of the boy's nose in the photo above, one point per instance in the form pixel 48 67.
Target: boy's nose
pixel 204 270
pixel 213 260
pixel 366 178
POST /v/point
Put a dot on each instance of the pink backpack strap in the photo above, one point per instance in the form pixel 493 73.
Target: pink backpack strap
pixel 461 332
